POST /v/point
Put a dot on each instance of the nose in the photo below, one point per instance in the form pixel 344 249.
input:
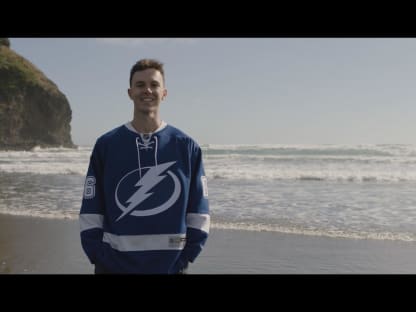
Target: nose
pixel 147 90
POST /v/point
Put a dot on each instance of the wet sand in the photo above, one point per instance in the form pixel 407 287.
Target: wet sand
pixel 49 246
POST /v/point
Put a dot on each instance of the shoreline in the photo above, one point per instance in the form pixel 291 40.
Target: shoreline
pixel 30 245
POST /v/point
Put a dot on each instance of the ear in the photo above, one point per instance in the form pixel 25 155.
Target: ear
pixel 165 93
pixel 129 93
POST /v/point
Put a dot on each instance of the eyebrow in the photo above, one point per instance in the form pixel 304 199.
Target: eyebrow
pixel 142 81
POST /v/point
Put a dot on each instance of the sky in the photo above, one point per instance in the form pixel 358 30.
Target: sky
pixel 242 90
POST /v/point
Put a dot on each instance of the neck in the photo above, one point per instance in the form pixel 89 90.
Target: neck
pixel 146 124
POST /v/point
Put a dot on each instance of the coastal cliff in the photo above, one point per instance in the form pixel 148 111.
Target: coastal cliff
pixel 33 112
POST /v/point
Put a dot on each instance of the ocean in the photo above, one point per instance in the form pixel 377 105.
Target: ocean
pixel 347 191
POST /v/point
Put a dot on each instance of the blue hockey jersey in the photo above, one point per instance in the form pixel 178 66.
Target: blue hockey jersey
pixel 145 205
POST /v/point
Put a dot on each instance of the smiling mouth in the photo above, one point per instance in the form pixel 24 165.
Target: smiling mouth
pixel 147 99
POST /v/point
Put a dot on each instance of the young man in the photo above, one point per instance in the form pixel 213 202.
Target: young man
pixel 145 205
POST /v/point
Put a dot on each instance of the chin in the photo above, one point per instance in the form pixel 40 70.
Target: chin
pixel 148 111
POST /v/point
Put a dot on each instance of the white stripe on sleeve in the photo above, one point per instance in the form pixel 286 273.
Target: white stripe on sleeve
pixel 198 221
pixel 90 221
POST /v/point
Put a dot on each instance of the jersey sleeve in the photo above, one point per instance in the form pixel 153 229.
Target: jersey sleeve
pixel 92 208
pixel 197 216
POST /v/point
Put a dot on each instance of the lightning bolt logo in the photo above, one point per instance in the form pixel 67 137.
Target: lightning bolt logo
pixel 152 178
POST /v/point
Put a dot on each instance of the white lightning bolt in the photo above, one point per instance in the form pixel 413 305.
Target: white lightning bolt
pixel 150 179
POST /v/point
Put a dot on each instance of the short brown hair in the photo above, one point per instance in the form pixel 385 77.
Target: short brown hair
pixel 146 64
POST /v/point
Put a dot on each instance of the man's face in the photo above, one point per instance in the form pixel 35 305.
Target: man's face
pixel 147 90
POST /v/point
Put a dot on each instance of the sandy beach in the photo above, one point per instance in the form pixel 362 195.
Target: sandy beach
pixel 49 246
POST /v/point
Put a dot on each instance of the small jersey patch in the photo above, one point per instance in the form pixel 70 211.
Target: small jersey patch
pixel 89 188
pixel 204 186
pixel 177 242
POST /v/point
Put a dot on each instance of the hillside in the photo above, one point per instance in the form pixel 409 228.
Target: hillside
pixel 33 112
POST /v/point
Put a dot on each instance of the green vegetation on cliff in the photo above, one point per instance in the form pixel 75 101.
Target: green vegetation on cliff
pixel 5 42
pixel 32 109
pixel 15 72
